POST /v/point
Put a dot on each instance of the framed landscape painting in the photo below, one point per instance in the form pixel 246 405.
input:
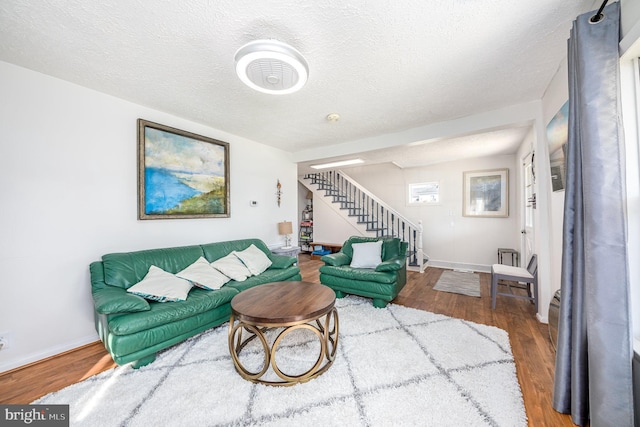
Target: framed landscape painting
pixel 486 193
pixel 557 136
pixel 181 174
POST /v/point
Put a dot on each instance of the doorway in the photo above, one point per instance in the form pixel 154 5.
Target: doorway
pixel 527 228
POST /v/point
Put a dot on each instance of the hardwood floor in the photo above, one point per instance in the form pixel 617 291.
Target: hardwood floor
pixel 530 344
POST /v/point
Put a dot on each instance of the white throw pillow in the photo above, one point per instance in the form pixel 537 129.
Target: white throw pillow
pixel 366 255
pixel 159 285
pixel 231 266
pixel 203 275
pixel 255 260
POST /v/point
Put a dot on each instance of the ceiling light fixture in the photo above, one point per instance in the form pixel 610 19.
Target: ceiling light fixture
pixel 270 66
pixel 337 164
pixel 333 117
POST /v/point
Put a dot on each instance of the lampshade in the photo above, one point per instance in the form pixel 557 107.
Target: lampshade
pixel 285 227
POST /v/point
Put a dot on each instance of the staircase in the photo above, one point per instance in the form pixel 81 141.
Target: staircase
pixel 379 218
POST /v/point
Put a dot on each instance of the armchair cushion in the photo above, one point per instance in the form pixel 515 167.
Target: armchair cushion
pixel 366 255
pixel 359 274
pixel 390 245
pixel 394 264
pixel 337 259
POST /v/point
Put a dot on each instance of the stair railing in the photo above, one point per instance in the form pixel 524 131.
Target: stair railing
pixel 375 214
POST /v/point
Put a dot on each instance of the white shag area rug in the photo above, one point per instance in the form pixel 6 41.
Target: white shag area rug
pixel 394 366
pixel 459 282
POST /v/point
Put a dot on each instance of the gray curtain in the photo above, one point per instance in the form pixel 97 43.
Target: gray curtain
pixel 594 352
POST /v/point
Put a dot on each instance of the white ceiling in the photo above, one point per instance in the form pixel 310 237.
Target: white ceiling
pixel 386 67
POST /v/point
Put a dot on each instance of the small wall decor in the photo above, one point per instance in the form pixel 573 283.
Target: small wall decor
pixel 486 193
pixel 181 174
pixel 424 193
pixel 279 192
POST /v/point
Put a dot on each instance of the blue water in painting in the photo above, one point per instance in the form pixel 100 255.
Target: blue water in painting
pixel 164 191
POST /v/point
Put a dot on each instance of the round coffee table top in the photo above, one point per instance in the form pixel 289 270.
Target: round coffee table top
pixel 283 303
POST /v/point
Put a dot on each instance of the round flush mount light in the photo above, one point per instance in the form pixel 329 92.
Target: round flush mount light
pixel 333 117
pixel 270 66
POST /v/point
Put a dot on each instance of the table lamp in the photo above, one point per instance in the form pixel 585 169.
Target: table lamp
pixel 285 228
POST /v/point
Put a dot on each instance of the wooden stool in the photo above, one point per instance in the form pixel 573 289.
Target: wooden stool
pixel 513 252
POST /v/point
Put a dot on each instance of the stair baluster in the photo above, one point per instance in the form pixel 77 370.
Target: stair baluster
pixel 370 211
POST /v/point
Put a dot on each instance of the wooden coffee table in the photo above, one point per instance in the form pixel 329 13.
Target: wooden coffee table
pixel 287 305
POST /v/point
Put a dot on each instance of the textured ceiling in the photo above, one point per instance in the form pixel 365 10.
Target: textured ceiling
pixel 383 66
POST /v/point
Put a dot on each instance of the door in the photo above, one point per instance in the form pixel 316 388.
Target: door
pixel 527 227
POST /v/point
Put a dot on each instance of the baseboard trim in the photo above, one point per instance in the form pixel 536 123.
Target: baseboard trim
pixel 48 353
pixel 459 266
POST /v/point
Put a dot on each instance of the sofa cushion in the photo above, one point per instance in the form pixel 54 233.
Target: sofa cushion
pixel 126 269
pixel 214 251
pixel 254 259
pixel 268 276
pixel 112 300
pixel 232 267
pixel 203 275
pixel 366 255
pixel 282 261
pixel 198 301
pixel 159 285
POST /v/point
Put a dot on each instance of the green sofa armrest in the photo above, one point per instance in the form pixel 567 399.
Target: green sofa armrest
pixel 337 259
pixel 393 264
pixel 282 261
pixel 113 300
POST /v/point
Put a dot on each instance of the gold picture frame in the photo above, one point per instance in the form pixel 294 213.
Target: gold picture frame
pixel 181 174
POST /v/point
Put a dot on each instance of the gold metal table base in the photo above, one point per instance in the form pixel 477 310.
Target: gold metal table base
pixel 327 335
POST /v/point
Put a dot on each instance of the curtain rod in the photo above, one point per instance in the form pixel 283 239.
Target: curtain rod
pixel 598 16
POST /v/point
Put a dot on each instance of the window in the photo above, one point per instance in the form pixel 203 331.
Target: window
pixel 424 193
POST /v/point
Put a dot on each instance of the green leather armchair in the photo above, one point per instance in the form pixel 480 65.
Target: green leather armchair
pixel 382 284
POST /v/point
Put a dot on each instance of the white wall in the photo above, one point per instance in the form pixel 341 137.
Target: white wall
pixel 450 240
pixel 68 191
pixel 329 226
pixel 629 15
pixel 555 96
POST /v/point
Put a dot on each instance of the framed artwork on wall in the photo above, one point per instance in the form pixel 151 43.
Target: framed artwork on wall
pixel 181 174
pixel 486 193
pixel 424 193
pixel 557 136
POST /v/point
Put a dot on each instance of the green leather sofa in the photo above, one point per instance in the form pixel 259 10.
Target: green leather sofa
pixel 382 284
pixel 134 329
